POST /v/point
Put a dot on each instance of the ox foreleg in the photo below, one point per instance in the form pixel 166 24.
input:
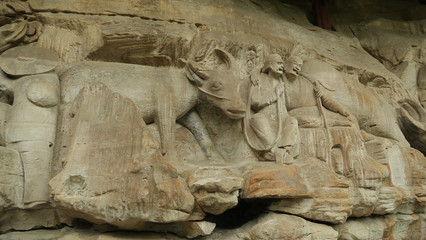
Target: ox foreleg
pixel 166 122
pixel 193 123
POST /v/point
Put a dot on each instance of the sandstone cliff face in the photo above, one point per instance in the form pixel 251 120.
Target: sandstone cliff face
pixel 212 119
pixel 114 173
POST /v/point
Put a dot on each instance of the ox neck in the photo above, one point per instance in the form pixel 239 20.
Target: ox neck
pixel 201 96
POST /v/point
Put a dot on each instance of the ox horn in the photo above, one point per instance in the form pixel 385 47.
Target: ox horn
pixel 226 57
pixel 195 74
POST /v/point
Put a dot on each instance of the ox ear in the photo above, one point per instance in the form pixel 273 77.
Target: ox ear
pixel 195 74
pixel 227 58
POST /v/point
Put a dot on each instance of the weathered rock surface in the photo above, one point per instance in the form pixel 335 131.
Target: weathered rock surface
pixel 68 233
pixel 361 171
pixel 386 227
pixel 114 173
pixel 215 189
pixel 329 198
pixel 27 219
pixel 275 181
pixel 11 179
pixel 190 229
pixel 278 226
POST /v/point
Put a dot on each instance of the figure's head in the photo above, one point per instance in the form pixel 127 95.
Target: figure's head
pixel 274 65
pixel 292 67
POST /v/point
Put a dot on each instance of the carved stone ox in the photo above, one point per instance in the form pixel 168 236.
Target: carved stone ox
pixel 165 94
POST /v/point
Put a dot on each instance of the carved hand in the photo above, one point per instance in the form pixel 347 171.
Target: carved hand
pixel 271 100
pixel 279 89
pixel 348 115
pixel 351 117
pixel 317 89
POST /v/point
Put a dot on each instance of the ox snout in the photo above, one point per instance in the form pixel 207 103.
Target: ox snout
pixel 237 111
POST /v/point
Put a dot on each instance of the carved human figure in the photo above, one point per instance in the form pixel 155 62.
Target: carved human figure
pixel 322 120
pixel 308 97
pixel 270 130
pixel 28 75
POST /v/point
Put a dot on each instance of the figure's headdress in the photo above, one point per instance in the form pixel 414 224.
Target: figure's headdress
pixel 269 60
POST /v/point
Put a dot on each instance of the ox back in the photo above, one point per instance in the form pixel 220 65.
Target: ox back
pixel 144 85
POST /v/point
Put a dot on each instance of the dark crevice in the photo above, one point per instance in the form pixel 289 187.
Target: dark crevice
pixel 81 223
pixel 245 211
pixel 59 226
pixel 257 4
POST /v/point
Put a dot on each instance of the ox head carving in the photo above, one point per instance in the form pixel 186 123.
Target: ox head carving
pixel 219 87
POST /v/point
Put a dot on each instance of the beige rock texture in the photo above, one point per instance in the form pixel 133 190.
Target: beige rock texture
pixel 390 226
pixel 12 182
pixel 215 189
pixel 234 119
pixel 278 226
pixel 114 173
pixel 295 228
pixel 27 219
pixel 327 199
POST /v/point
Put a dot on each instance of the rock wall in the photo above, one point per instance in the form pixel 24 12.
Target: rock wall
pixel 234 119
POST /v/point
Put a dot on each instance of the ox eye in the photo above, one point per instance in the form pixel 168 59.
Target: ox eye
pixel 217 86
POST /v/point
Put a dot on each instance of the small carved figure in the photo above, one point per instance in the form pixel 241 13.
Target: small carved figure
pixel 321 118
pixel 28 75
pixel 304 91
pixel 368 111
pixel 270 130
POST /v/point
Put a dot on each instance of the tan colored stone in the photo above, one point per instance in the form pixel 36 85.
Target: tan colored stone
pixel 184 229
pixel 415 185
pixel 30 123
pixel 271 226
pixel 366 75
pixel 329 199
pixel 68 233
pixel 114 173
pixel 166 95
pixel 11 179
pixel 83 41
pixel 412 120
pixel 388 200
pixel 387 227
pixel 215 189
pixel 270 180
pixel 281 226
pixel 24 220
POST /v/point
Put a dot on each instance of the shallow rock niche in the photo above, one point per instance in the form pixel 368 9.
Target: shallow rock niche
pixel 234 119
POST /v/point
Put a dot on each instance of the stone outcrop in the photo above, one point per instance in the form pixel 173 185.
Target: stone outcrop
pixel 278 226
pixel 215 189
pixel 237 119
pixel 295 228
pixel 114 173
pixel 390 226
